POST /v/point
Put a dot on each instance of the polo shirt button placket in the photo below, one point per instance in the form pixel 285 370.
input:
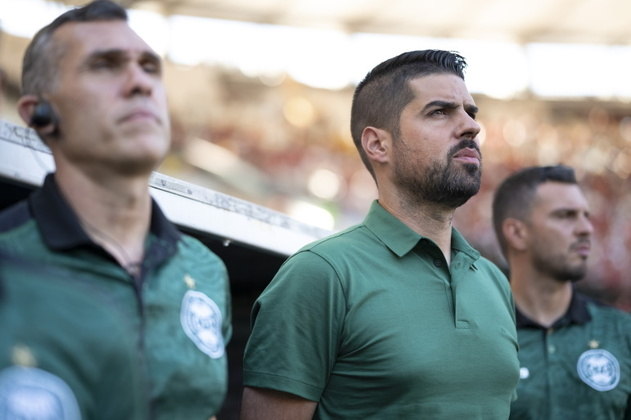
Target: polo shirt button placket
pixel 551 348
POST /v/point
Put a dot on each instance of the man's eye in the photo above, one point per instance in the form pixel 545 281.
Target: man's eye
pixel 151 67
pixel 568 215
pixel 102 64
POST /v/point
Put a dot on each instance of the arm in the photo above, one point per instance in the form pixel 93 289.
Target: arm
pixel 267 404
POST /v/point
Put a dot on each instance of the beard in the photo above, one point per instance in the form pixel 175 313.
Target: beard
pixel 446 183
pixel 558 267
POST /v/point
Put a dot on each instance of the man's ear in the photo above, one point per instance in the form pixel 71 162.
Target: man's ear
pixel 27 107
pixel 376 144
pixel 516 233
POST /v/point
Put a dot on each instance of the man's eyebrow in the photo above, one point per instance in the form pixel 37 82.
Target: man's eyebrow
pixel 471 109
pixel 440 104
pixel 113 53
pixel 569 209
pixel 150 55
pixel 120 54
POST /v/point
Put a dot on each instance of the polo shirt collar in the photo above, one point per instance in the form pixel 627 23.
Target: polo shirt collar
pixel 400 239
pixel 577 313
pixel 60 227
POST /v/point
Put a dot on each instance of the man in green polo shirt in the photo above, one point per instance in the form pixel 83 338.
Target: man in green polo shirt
pixel 575 354
pixel 398 317
pixel 93 91
pixel 64 350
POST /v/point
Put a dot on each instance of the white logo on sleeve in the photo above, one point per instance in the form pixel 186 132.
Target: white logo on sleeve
pixel 599 369
pixel 34 394
pixel 201 320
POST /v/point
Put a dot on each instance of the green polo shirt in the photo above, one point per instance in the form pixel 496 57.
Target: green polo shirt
pixel 372 323
pixel 580 368
pixel 178 308
pixel 64 353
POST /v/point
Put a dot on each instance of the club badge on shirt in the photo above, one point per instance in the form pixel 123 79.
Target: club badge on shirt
pixel 34 394
pixel 599 369
pixel 201 320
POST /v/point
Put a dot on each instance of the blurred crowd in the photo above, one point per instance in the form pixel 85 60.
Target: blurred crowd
pixel 291 134
pixel 284 144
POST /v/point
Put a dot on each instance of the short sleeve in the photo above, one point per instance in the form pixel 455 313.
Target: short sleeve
pixel 296 325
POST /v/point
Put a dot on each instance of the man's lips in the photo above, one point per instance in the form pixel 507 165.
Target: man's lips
pixel 582 248
pixel 139 115
pixel 468 155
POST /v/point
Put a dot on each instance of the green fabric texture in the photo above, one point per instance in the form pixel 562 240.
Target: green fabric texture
pixel 180 316
pixel 187 383
pixel 578 371
pixel 55 330
pixel 372 323
pixel 183 381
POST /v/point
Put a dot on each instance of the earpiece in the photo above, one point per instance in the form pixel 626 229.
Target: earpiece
pixel 43 115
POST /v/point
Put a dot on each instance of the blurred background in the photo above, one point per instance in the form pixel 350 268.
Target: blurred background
pixel 260 94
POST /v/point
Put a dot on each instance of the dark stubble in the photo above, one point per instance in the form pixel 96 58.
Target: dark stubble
pixel 446 183
pixel 557 266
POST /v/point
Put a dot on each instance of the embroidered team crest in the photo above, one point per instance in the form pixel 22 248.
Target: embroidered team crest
pixel 201 320
pixel 599 369
pixel 31 393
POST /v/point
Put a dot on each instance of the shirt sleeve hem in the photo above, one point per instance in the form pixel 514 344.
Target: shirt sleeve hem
pixel 281 383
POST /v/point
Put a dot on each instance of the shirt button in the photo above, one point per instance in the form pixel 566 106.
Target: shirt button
pixel 438 262
pixel 551 349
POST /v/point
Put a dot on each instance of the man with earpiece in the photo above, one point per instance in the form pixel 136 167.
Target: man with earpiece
pixel 93 91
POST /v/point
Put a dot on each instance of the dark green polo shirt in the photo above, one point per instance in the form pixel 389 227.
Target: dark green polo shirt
pixel 64 353
pixel 372 323
pixel 580 368
pixel 178 307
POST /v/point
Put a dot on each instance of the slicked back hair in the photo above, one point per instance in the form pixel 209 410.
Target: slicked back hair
pixel 42 56
pixel 516 194
pixel 379 98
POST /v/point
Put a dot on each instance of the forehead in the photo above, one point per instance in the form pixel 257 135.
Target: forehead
pixel 79 39
pixel 440 86
pixel 558 195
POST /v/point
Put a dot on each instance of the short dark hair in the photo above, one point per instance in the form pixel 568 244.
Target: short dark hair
pixel 515 195
pixel 379 98
pixel 42 56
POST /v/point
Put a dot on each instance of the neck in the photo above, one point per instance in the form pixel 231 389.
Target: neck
pixel 539 297
pixel 432 221
pixel 114 211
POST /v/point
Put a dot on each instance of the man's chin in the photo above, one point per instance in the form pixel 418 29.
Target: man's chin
pixel 139 164
pixel 473 170
pixel 575 275
pixel 456 198
pixel 149 146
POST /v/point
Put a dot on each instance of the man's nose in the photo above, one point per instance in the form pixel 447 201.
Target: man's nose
pixel 138 81
pixel 469 127
pixel 585 226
